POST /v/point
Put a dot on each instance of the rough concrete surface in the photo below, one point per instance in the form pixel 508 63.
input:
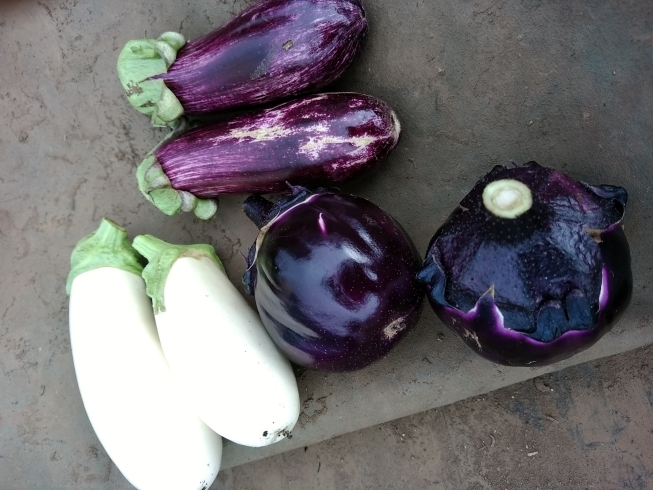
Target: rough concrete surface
pixel 475 83
pixel 586 427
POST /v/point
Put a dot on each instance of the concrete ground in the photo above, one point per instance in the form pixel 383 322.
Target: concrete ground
pixel 475 83
pixel 588 426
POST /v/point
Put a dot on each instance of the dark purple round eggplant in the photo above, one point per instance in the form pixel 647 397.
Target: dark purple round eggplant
pixel 317 140
pixel 532 267
pixel 333 277
pixel 272 50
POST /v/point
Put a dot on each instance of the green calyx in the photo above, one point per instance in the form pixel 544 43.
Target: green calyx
pixel 161 256
pixel 108 246
pixel 138 62
pixel 156 187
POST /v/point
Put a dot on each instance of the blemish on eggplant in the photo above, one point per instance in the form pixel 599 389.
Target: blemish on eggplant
pixel 394 328
pixel 265 433
pixel 472 335
pixel 133 89
pixel 288 44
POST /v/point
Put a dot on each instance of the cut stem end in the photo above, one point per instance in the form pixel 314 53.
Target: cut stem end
pixel 507 198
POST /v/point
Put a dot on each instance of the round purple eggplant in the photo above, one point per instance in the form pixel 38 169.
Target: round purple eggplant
pixel 272 50
pixel 532 267
pixel 333 277
pixel 317 140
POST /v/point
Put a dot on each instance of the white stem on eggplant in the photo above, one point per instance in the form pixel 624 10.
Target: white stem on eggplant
pixel 507 198
pixel 130 395
pixel 238 383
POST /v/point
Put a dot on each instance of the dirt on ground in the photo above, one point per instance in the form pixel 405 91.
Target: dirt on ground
pixel 589 426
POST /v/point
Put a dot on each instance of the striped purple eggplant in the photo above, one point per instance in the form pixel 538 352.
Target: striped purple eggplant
pixel 318 140
pixel 272 50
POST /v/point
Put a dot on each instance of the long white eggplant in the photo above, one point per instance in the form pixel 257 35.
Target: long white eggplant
pixel 129 393
pixel 240 385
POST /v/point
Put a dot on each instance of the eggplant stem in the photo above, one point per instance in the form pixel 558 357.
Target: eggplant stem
pixel 507 198
pixel 155 185
pixel 258 209
pixel 139 63
pixel 108 246
pixel 161 256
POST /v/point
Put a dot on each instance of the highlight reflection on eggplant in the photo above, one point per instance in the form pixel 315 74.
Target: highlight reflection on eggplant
pixel 532 267
pixel 334 278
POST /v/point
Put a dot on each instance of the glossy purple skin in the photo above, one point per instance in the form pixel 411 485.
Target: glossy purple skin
pixel 334 279
pixel 317 140
pixel 274 49
pixel 555 290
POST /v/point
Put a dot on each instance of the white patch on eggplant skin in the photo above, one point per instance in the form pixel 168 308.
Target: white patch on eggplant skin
pixel 393 328
pixel 472 335
pixel 316 144
pixel 263 133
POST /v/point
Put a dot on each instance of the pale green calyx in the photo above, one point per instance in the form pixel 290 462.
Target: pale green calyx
pixel 138 62
pixel 156 187
pixel 160 257
pixel 507 198
pixel 108 246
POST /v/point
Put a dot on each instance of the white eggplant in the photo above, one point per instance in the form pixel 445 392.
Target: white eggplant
pixel 130 395
pixel 239 384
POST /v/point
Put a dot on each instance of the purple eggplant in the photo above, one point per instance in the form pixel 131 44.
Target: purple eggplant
pixel 272 50
pixel 317 140
pixel 532 267
pixel 333 277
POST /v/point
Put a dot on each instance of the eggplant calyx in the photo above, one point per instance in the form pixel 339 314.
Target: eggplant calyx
pixel 160 257
pixel 432 275
pixel 156 187
pixel 107 246
pixel 139 64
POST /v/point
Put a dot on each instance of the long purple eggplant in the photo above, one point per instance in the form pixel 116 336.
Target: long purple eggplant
pixel 272 50
pixel 318 140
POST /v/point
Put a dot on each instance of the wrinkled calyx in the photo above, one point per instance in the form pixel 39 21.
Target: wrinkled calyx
pixel 531 238
pixel 139 64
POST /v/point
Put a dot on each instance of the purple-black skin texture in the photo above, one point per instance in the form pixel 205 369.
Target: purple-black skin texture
pixel 334 278
pixel 316 140
pixel 274 49
pixel 538 288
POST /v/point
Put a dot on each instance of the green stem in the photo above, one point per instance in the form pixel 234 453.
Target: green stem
pixel 161 256
pixel 138 62
pixel 157 188
pixel 108 246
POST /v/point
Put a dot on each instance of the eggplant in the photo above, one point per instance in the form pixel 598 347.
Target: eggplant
pixel 272 50
pixel 532 267
pixel 230 372
pixel 316 140
pixel 333 277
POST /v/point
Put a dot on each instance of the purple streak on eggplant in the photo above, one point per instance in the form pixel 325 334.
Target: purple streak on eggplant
pixel 334 300
pixel 274 49
pixel 537 288
pixel 317 140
